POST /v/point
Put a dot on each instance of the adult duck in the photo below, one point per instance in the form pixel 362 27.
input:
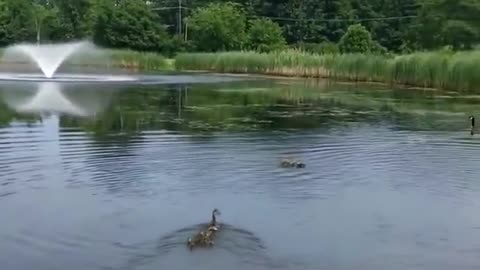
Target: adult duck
pixel 472 124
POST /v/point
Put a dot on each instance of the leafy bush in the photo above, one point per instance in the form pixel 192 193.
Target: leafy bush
pixel 130 24
pixel 264 35
pixel 218 27
pixel 357 39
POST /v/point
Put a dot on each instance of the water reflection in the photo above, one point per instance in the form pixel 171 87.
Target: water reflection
pixel 209 108
pixel 55 98
pixel 390 180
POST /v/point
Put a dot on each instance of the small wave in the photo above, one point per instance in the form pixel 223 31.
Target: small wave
pixel 243 245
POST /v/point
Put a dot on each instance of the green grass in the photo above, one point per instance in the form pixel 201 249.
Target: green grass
pixel 443 70
pixel 123 59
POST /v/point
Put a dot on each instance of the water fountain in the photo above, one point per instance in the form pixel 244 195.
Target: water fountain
pixel 49 57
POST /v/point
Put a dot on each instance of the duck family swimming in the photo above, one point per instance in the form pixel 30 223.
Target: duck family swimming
pixel 285 163
pixel 206 237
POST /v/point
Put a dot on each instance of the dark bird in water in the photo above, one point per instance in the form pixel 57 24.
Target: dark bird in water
pixel 205 238
pixel 213 222
pixel 292 163
pixel 472 124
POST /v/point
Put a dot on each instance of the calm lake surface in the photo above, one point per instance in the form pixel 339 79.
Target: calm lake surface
pixel 118 176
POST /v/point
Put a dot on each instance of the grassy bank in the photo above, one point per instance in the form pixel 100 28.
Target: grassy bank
pixel 443 70
pixel 137 60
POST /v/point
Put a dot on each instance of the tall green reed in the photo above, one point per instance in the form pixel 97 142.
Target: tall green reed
pixel 437 69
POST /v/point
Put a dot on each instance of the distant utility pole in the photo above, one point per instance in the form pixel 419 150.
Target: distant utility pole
pixel 179 17
pixel 186 30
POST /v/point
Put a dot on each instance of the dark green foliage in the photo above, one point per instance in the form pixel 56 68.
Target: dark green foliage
pixel 129 24
pixel 218 27
pixel 336 13
pixel 356 40
pixel 175 45
pixel 74 17
pixel 302 27
pixel 264 35
pixel 16 21
pixel 393 33
pixel 399 26
pixel 459 34
pixel 448 22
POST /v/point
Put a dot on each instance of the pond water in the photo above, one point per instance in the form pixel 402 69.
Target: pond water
pixel 117 177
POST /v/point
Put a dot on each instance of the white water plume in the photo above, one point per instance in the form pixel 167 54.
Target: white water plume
pixel 48 57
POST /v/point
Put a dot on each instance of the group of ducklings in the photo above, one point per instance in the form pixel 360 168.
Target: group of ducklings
pixel 206 237
pixel 289 162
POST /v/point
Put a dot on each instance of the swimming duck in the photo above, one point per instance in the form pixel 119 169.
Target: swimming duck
pixel 292 163
pixel 213 222
pixel 205 238
pixel 472 124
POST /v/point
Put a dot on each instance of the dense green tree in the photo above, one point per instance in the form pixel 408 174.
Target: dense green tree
pixel 169 10
pixel 218 27
pixel 447 22
pixel 47 22
pixel 265 35
pixel 129 24
pixel 459 34
pixel 74 16
pixel 311 21
pixel 357 39
pixel 337 15
pixel 302 21
pixel 393 33
pixel 213 25
pixel 16 21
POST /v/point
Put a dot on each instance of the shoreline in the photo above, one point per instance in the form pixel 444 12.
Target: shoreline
pixel 439 70
pixel 295 77
pixel 170 66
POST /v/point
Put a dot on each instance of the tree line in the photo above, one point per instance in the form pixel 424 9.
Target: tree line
pixel 170 26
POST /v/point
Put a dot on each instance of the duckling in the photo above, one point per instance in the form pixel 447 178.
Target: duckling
pixel 203 238
pixel 292 163
pixel 285 163
pixel 299 164
pixel 472 124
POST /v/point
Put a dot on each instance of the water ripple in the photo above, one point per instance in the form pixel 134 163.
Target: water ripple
pixel 240 243
pixel 371 189
pixel 245 162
